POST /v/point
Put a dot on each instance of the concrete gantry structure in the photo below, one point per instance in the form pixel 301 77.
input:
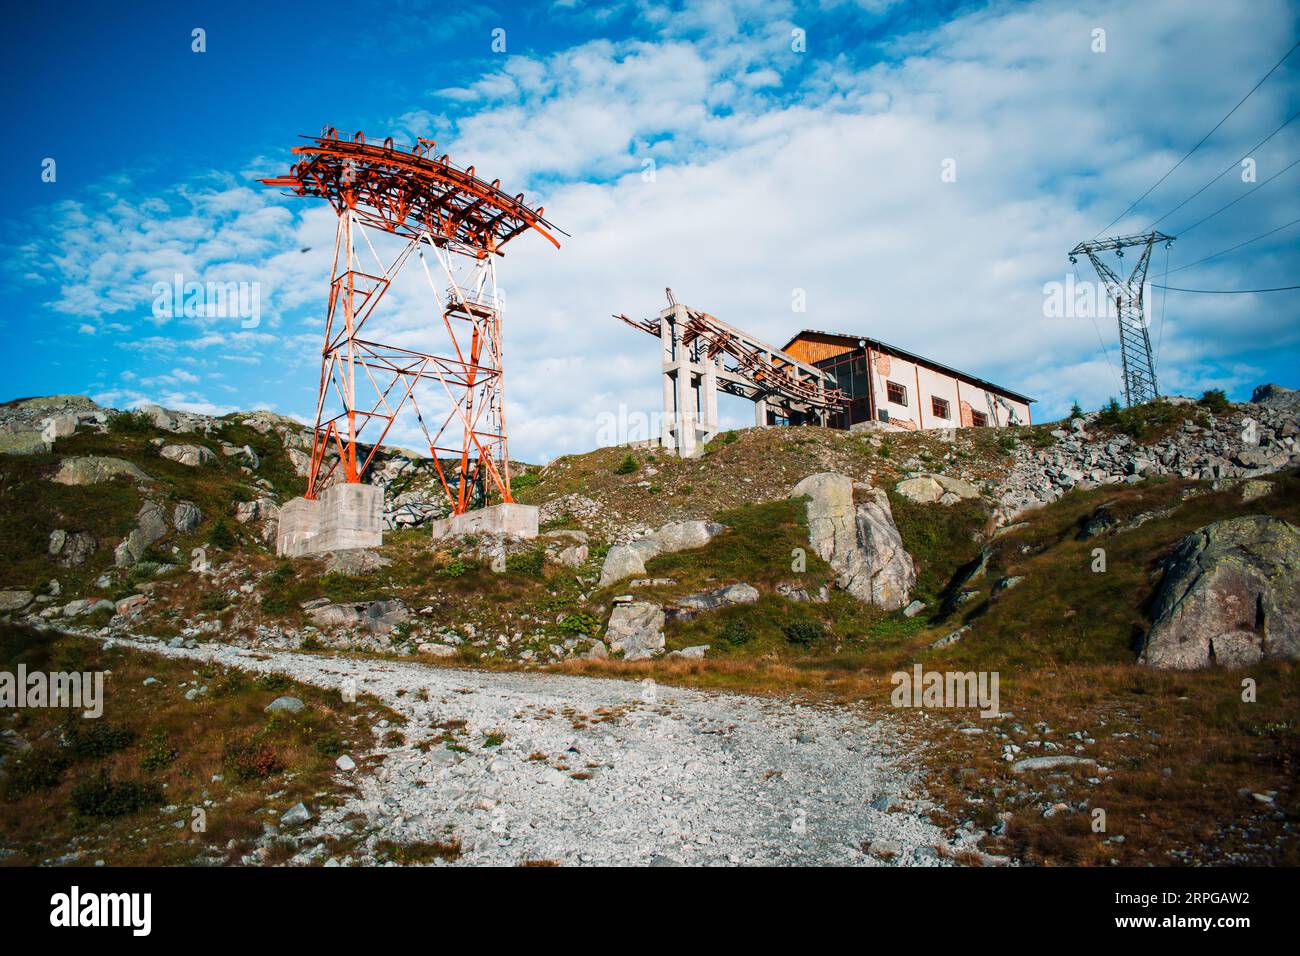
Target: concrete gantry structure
pixel 702 355
pixel 817 378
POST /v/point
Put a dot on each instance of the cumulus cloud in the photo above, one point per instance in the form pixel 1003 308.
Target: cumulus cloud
pixel 700 150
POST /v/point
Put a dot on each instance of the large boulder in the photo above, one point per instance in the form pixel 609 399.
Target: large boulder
pixel 728 596
pixel 14 600
pixel 860 542
pixel 944 489
pixel 636 629
pixel 378 617
pixel 628 560
pixel 93 469
pixel 17 440
pixel 1275 396
pixel 151 526
pixel 186 516
pixel 1230 596
pixel 684 535
pixel 192 455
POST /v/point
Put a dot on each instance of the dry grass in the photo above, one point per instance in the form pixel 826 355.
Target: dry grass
pixel 174 748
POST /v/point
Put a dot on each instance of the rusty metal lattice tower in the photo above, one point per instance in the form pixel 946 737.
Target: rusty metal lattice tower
pixel 448 215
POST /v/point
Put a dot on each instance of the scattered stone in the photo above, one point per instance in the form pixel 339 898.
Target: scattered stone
pixel 1255 489
pixel 345 763
pixel 914 608
pixel 72 550
pixel 296 815
pixel 14 600
pixel 285 705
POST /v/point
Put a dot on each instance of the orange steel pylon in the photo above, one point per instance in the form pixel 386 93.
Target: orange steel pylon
pixel 462 222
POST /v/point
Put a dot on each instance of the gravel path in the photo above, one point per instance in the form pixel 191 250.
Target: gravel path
pixel 665 775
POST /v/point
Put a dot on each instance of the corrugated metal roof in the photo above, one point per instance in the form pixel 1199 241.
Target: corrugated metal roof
pixel 912 357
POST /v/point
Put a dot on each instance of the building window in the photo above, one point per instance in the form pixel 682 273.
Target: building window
pixel 979 419
pixel 897 393
pixel 939 406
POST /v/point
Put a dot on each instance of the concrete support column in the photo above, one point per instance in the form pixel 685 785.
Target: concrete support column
pixel 687 405
pixel 709 398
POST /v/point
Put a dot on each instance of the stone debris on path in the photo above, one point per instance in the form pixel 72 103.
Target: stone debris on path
pixel 607 772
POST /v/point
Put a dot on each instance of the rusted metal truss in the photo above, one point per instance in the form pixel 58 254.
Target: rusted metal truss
pixel 462 223
pixel 769 371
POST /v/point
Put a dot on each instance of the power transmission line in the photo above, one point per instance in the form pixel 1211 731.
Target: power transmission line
pixel 1231 166
pixel 1183 232
pixel 1135 202
pixel 1170 288
pixel 1236 247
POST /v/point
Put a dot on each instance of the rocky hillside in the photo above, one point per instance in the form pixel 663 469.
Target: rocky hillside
pixel 1079 559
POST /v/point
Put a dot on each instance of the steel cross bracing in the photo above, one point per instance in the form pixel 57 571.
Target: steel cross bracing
pixel 457 397
pixel 1139 371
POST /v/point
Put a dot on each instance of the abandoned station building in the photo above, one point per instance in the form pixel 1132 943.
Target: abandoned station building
pixel 817 378
pixel 891 385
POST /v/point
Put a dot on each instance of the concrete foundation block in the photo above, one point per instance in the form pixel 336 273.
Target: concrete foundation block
pixel 515 519
pixel 344 516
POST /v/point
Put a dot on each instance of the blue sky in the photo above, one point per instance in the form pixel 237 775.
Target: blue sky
pixel 775 170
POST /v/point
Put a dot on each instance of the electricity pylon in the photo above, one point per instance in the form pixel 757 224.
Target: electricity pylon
pixel 1134 342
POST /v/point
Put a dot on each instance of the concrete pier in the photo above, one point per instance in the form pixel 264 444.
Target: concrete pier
pixel 344 516
pixel 514 519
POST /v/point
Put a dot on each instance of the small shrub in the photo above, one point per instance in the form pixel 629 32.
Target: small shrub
pixel 130 423
pixel 1007 442
pixel 456 569
pixel 526 562
pixel 214 601
pixel 392 852
pixel 35 770
pixel 98 740
pixel 803 633
pixel 248 760
pixel 104 798
pixel 309 643
pixel 273 682
pixel 1110 413
pixel 736 633
pixel 220 536
pixel 1215 400
pixel 886 447
pixel 329 746
pixel 580 622
pixel 525 481
pixel 157 754
pixel 275 603
pixel 1076 410
pixel 627 466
